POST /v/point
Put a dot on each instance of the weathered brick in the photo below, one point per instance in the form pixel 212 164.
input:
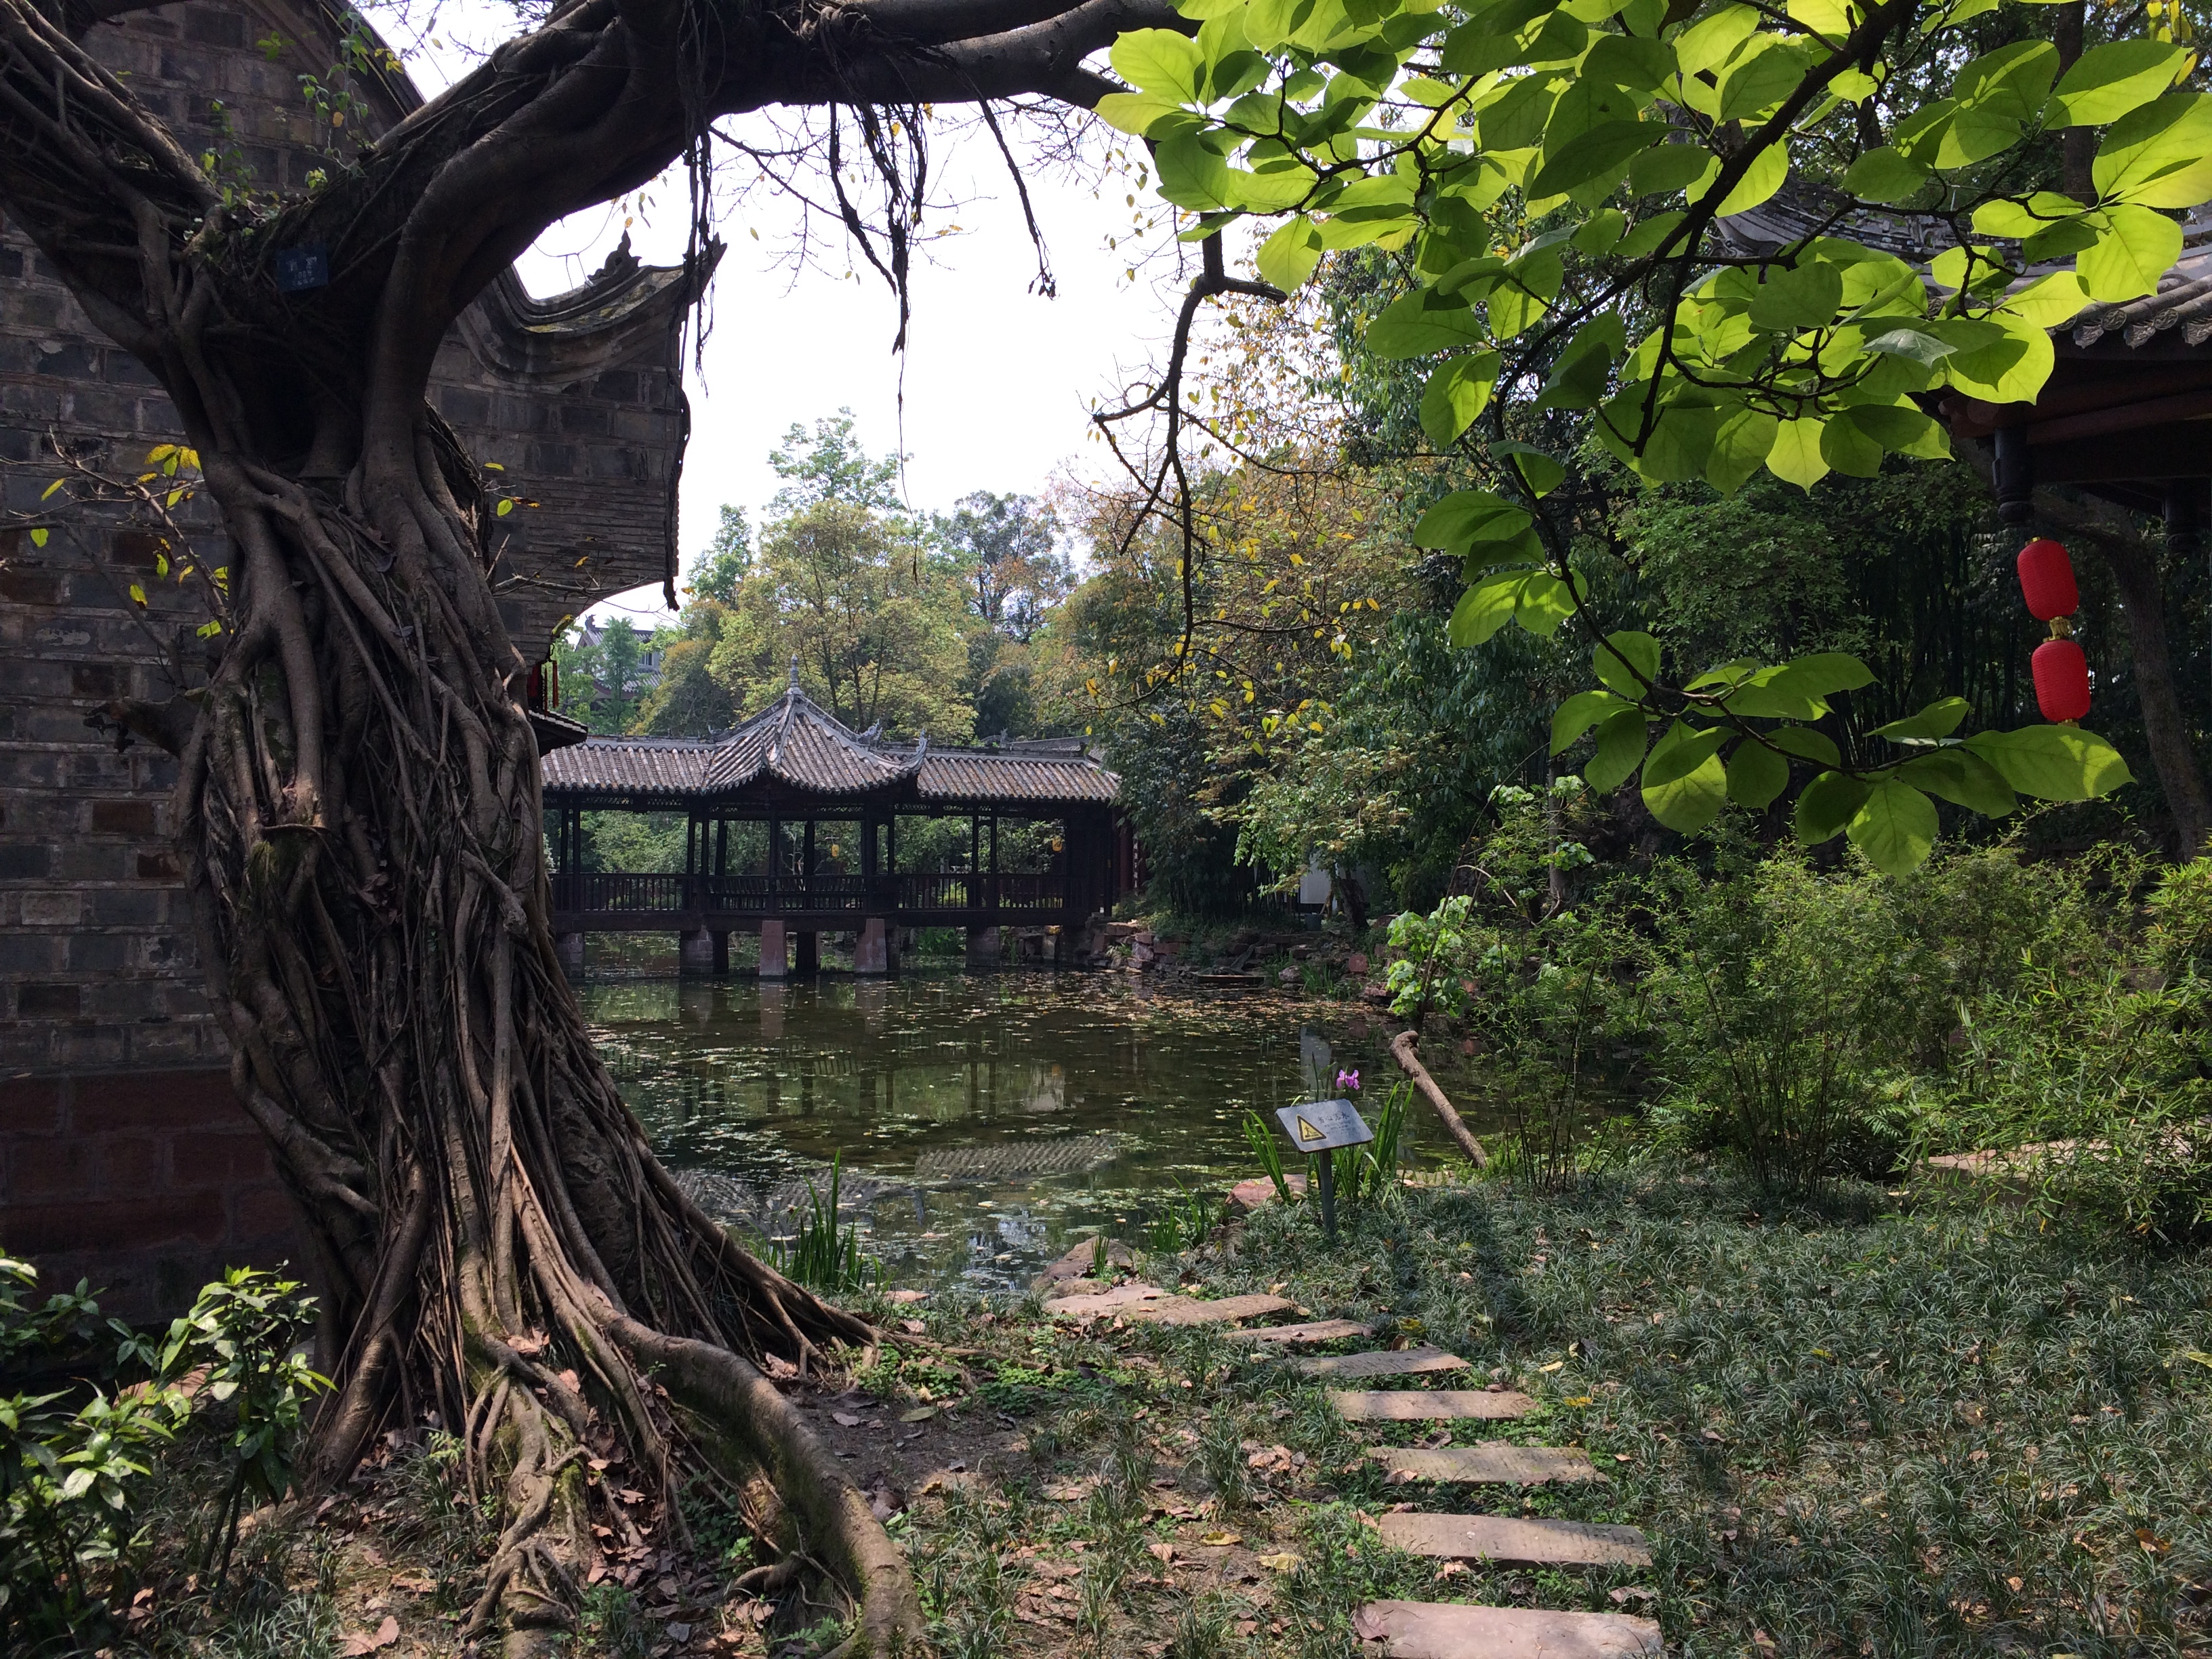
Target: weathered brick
pixel 119 1226
pixel 199 1101
pixel 226 1157
pixel 263 1211
pixel 123 817
pixel 21 863
pixel 40 1000
pixel 30 1106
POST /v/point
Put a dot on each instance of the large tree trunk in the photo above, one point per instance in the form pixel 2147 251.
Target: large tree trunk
pixel 359 807
pixel 2165 727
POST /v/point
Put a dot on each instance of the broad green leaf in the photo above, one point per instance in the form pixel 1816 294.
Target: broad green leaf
pixel 2053 763
pixel 1601 233
pixel 1270 192
pixel 1885 175
pixel 1578 378
pixel 1938 719
pixel 1422 322
pixel 1963 778
pixel 1766 174
pixel 1740 448
pixel 1828 803
pixel 2021 219
pixel 1756 775
pixel 1917 345
pixel 1288 257
pixel 1685 784
pixel 2011 370
pixel 1159 61
pixel 1191 175
pixel 1622 651
pixel 1455 394
pixel 2160 155
pixel 1796 458
pixel 1467 517
pixel 1649 234
pixel 1665 168
pixel 1806 297
pixel 2138 247
pixel 1711 41
pixel 2107 81
pixel 1538 470
pixel 1620 739
pixel 1973 135
pixel 1545 603
pixel 1850 448
pixel 1806 744
pixel 1762 75
pixel 1900 428
pixel 1641 64
pixel 1895 828
pixel 2049 300
pixel 1485 608
pixel 2012 81
pixel 1578 713
pixel 1137 112
pixel 1603 150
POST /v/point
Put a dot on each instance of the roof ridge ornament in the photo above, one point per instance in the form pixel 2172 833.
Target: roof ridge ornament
pixel 793 689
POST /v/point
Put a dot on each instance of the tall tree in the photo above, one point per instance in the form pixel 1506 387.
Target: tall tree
pixel 358 802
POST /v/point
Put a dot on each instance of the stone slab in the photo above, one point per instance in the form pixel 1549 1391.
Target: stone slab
pixel 1431 1406
pixel 1317 1330
pixel 1434 1630
pixel 1188 1310
pixel 1388 1362
pixel 1114 1301
pixel 1494 1464
pixel 1514 1542
pixel 1251 1195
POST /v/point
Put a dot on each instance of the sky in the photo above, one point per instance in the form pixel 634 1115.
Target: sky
pixel 995 387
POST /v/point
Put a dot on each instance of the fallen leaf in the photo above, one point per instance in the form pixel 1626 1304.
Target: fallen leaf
pixel 846 1419
pixel 2152 1542
pixel 1451 1569
pixel 921 1415
pixel 907 1298
pixel 1579 1400
pixel 1620 1457
pixel 679 1632
pixel 1556 1364
pixel 2015 1584
pixel 418 1583
pixel 913 1327
pixel 1162 1554
pixel 362 1642
pixel 1285 1562
pixel 1223 1537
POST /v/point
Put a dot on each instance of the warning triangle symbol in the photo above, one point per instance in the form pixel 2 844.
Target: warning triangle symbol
pixel 1307 1132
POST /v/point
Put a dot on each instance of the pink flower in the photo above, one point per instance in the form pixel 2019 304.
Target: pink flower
pixel 1348 1080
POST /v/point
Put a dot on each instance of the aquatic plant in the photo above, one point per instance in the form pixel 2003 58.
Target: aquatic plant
pixel 1267 1151
pixel 825 1252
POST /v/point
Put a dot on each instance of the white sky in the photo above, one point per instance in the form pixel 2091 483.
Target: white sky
pixel 997 381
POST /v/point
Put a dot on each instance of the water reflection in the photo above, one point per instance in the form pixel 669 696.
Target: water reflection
pixel 982 1121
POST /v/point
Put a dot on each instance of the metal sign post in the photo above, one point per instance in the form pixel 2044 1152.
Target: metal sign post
pixel 1319 1127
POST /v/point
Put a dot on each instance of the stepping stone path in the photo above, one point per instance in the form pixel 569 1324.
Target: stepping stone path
pixel 1515 1541
pixel 1421 1630
pixel 1492 1464
pixel 1388 1362
pixel 1431 1406
pixel 1318 1330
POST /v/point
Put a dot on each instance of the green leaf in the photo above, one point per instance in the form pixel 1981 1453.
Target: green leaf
pixel 2013 81
pixel 1911 343
pixel 1545 603
pixel 1768 172
pixel 53 487
pixel 1287 258
pixel 1468 518
pixel 1895 829
pixel 1938 719
pixel 1607 147
pixel 1762 79
pixel 1885 175
pixel 1806 297
pixel 1846 447
pixel 1796 458
pixel 1159 61
pixel 1422 322
pixel 1191 175
pixel 1620 746
pixel 1618 654
pixel 1137 112
pixel 1485 607
pixel 1829 802
pixel 1963 778
pixel 1538 470
pixel 1273 190
pixel 1739 448
pixel 1806 744
pixel 1665 168
pixel 39 536
pixel 2107 81
pixel 1578 713
pixel 1685 784
pixel 2160 155
pixel 2138 247
pixel 1455 394
pixel 2053 763
pixel 1756 775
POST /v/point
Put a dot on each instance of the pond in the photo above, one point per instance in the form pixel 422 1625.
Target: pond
pixel 982 1122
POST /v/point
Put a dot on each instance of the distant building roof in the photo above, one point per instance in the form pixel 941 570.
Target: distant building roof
pixel 797 744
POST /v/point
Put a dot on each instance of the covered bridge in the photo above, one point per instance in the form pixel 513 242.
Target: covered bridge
pixel 798 825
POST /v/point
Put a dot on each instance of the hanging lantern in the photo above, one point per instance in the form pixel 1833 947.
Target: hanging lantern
pixel 2047 579
pixel 2062 680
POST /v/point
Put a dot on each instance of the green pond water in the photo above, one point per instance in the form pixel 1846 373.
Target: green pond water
pixel 984 1122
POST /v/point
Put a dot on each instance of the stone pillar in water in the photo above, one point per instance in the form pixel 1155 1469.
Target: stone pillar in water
pixel 570 947
pixel 872 948
pixel 985 948
pixel 775 957
pixel 810 954
pixel 698 952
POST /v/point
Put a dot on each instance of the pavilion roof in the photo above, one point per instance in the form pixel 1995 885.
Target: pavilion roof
pixel 796 743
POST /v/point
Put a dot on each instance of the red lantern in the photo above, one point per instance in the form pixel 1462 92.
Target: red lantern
pixel 2047 579
pixel 2062 680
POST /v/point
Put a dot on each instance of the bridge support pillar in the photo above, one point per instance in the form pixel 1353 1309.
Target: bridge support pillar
pixel 871 949
pixel 985 947
pixel 721 952
pixel 776 951
pixel 698 952
pixel 570 948
pixel 810 954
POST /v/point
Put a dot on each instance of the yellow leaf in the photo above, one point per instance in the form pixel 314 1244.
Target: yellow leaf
pixel 1556 1364
pixel 137 594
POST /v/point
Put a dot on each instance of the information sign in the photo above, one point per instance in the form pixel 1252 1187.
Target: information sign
pixel 1319 1126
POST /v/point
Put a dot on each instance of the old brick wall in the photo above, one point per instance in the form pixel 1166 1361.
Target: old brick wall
pixel 578 398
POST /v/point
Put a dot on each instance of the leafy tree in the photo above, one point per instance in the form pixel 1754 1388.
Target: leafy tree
pixel 1551 179
pixel 1007 548
pixel 828 464
pixel 727 559
pixel 357 795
